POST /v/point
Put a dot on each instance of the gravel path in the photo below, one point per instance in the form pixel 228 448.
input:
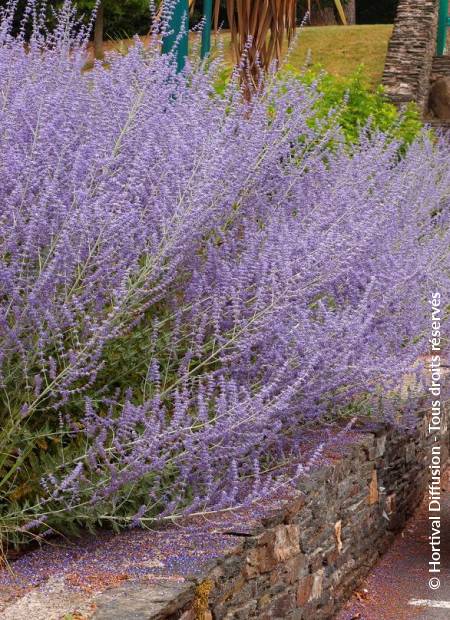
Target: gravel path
pixel 397 589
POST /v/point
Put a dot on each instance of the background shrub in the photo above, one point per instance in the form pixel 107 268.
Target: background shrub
pixel 353 104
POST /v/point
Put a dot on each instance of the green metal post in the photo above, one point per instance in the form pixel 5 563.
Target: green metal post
pixel 206 34
pixel 178 19
pixel 443 24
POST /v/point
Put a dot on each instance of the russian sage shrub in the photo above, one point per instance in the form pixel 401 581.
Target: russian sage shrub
pixel 188 282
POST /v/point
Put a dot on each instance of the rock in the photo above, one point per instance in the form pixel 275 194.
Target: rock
pixel 373 489
pixel 390 504
pixel 440 98
pixel 304 590
pixel 51 602
pixel 316 591
pixel 310 588
pixel 277 545
pixel 289 572
pixel 338 535
pixel 287 542
pixel 380 446
pixel 446 480
pixel 258 560
pixel 141 601
pixel 281 606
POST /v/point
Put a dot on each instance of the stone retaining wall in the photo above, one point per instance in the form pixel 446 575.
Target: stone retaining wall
pixel 410 53
pixel 303 562
pixel 440 68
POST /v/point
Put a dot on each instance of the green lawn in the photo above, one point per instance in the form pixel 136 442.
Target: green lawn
pixel 339 49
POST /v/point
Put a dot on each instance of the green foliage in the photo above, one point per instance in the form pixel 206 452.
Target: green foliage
pixel 380 12
pixel 123 18
pixel 352 104
pixel 222 79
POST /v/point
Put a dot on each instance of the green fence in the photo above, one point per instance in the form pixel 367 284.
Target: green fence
pixel 177 39
pixel 443 25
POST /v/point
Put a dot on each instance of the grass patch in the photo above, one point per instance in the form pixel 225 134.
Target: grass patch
pixel 340 50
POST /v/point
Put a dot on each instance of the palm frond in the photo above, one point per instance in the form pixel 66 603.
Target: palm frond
pixel 341 12
pixel 258 30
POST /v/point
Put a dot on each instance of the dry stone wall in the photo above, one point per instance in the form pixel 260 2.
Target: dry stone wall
pixel 303 562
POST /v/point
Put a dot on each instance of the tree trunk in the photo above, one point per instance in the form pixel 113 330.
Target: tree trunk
pixel 350 12
pixel 98 33
pixel 322 16
pixel 329 16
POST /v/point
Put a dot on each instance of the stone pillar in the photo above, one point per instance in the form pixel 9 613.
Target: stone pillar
pixel 410 54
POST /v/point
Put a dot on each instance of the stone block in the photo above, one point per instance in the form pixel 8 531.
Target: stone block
pixel 446 480
pixel 264 601
pixel 191 614
pixel 281 606
pixel 380 447
pixel 287 542
pixel 410 451
pixel 304 590
pixel 390 504
pixel 338 535
pixel 316 591
pixel 373 489
pixel 139 600
pixel 258 561
pixel 275 546
pixel 241 613
pixel 440 98
pixel 290 571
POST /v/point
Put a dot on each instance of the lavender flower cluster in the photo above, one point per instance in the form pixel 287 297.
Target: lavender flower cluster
pixel 189 281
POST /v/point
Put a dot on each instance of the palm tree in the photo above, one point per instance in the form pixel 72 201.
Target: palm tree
pixel 258 30
pixel 98 31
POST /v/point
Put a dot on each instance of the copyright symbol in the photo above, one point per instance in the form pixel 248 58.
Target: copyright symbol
pixel 434 583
